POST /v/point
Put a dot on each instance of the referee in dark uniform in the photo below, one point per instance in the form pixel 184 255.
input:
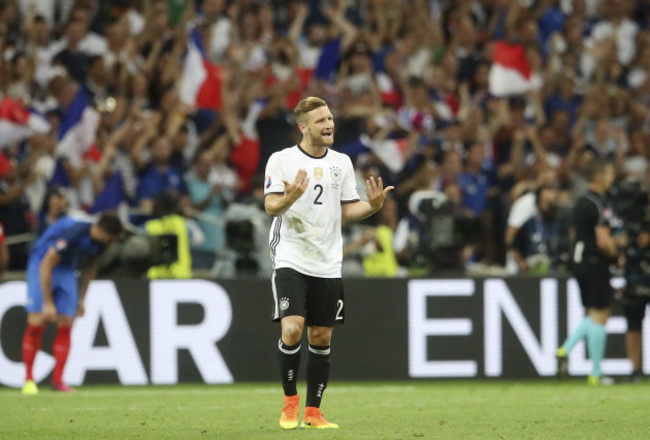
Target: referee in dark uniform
pixel 595 249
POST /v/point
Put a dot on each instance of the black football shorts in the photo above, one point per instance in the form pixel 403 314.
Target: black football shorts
pixel 594 281
pixel 318 300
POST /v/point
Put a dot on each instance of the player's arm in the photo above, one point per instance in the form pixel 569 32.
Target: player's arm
pixel 511 233
pixel 277 204
pixel 87 275
pixel 376 195
pixel 4 256
pixel 605 241
pixel 50 260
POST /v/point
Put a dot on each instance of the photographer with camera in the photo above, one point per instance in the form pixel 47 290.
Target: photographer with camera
pixel 532 246
pixel 632 199
pixel 168 221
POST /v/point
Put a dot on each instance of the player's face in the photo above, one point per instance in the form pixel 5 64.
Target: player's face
pixel 320 127
pixel 99 235
pixel 608 177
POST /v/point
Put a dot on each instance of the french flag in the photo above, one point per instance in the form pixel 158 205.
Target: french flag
pixel 78 129
pixel 388 92
pixel 510 73
pixel 392 152
pixel 201 79
pixel 17 122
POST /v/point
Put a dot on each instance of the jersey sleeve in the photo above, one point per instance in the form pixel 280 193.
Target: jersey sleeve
pixel 273 176
pixel 349 192
pixel 519 213
pixel 70 238
pixel 596 215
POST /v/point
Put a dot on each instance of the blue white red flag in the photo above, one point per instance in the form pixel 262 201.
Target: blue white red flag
pixel 17 122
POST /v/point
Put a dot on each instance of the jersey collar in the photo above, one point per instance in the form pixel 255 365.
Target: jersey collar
pixel 313 157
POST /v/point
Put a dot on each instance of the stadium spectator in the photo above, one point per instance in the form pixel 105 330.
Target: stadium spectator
pixel 4 251
pixel 15 214
pixel 97 79
pixel 534 245
pixel 209 195
pixel 55 206
pixel 407 81
pixel 476 183
pixel 159 176
pixel 71 57
pixel 382 262
pixel 169 221
pixel 524 207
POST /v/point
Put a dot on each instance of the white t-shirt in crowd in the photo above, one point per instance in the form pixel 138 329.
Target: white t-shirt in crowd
pixel 523 209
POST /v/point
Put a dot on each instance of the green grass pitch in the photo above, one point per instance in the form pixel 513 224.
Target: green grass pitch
pixel 387 410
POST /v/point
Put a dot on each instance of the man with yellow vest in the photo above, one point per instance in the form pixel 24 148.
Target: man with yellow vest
pixel 169 221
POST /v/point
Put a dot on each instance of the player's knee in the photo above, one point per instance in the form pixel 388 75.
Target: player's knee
pixel 599 316
pixel 320 336
pixel 634 324
pixel 36 319
pixel 64 321
pixel 291 333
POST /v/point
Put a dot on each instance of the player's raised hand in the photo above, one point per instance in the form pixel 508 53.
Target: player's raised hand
pixel 294 190
pixel 376 192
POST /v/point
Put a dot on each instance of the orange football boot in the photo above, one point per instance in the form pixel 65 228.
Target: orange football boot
pixel 289 417
pixel 314 419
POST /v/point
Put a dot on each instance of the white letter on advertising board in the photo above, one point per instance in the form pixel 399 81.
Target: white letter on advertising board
pixel 121 354
pixel 498 298
pixel 421 328
pixel 167 336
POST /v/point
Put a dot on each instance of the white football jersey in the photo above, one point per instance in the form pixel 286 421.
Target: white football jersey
pixel 307 237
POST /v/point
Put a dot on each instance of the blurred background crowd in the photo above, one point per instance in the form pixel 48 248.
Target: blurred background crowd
pixel 167 110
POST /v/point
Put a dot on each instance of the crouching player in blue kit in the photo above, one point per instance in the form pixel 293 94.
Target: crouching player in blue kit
pixel 54 294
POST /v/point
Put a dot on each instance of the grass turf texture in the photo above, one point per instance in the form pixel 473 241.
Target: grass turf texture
pixel 419 409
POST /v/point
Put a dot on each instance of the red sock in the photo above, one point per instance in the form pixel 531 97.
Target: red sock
pixel 31 344
pixel 60 349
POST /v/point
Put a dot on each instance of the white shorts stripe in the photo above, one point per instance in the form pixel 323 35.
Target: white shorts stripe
pixel 276 310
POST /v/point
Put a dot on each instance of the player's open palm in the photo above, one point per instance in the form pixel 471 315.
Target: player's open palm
pixel 294 190
pixel 376 192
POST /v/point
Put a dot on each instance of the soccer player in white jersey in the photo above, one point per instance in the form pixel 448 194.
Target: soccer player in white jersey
pixel 309 190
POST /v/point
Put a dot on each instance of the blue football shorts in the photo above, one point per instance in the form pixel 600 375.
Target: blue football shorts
pixel 65 290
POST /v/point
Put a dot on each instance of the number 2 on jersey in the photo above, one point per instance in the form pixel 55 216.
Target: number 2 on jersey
pixel 318 187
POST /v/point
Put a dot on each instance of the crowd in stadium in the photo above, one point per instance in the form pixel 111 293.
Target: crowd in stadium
pixel 110 104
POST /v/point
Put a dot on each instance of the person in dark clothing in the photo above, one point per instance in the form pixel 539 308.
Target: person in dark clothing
pixel 595 249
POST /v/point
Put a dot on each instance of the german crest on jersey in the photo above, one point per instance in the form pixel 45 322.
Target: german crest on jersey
pixel 284 303
pixel 335 172
pixel 318 173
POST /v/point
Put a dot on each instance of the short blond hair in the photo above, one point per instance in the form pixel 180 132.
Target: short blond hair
pixel 307 105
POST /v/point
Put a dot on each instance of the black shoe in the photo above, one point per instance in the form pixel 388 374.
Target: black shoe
pixel 636 376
